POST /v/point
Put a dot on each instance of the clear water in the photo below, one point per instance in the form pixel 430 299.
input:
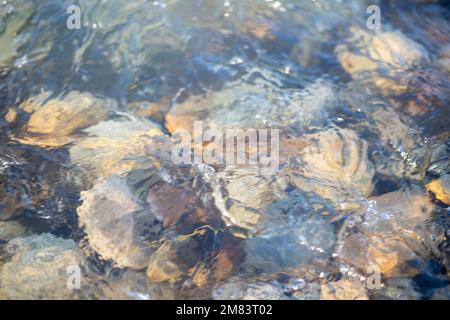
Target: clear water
pixel 245 64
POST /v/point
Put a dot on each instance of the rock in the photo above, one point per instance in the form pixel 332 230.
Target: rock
pixel 444 58
pixel 115 146
pixel 397 289
pixel 441 188
pixel 387 252
pixel 117 225
pixel 135 286
pixel 343 290
pixel 14 17
pixel 54 122
pixel 169 204
pixel 335 165
pixel 285 246
pixel 309 291
pixel 11 229
pixel 198 257
pixel 237 182
pixel 390 235
pixel 243 217
pixel 241 105
pixel 237 288
pixel 154 110
pixel 11 115
pixel 39 268
pixel 386 59
pixel 163 267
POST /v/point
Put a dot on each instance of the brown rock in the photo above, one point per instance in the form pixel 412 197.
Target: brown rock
pixel 162 266
pixel 54 122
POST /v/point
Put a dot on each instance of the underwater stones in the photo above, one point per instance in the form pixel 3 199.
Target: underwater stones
pixel 169 204
pixel 114 146
pixel 396 289
pixel 335 162
pixel 395 49
pixel 38 268
pixel 116 224
pixel 444 58
pixel 238 182
pixel 343 289
pixel 198 257
pixel 388 238
pixel 163 267
pixel 260 105
pixel 287 246
pixel 11 229
pixel 134 285
pixel 243 217
pixel 386 251
pixel 237 288
pixel 366 54
pixel 441 188
pixel 54 122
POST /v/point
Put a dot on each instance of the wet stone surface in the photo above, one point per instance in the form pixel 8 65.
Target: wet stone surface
pixel 89 119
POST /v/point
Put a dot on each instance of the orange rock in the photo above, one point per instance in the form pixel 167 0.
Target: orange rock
pixel 441 189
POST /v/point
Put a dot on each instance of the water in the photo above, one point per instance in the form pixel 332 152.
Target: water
pixel 89 117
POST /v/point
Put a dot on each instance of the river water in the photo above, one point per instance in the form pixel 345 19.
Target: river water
pixel 94 93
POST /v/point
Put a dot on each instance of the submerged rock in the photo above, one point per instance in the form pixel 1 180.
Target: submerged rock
pixel 11 229
pixel 388 237
pixel 335 165
pixel 441 188
pixel 259 105
pixel 115 146
pixel 237 288
pixel 288 245
pixel 135 286
pixel 117 225
pixel 343 289
pixel 38 268
pixel 386 58
pixel 54 122
pixel 203 255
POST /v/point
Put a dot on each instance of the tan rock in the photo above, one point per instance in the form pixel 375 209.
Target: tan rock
pixel 243 217
pixel 39 268
pixel 11 115
pixel 343 290
pixel 384 59
pixel 182 115
pixel 163 267
pixel 54 123
pixel 441 188
pixel 338 157
pixel 114 146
